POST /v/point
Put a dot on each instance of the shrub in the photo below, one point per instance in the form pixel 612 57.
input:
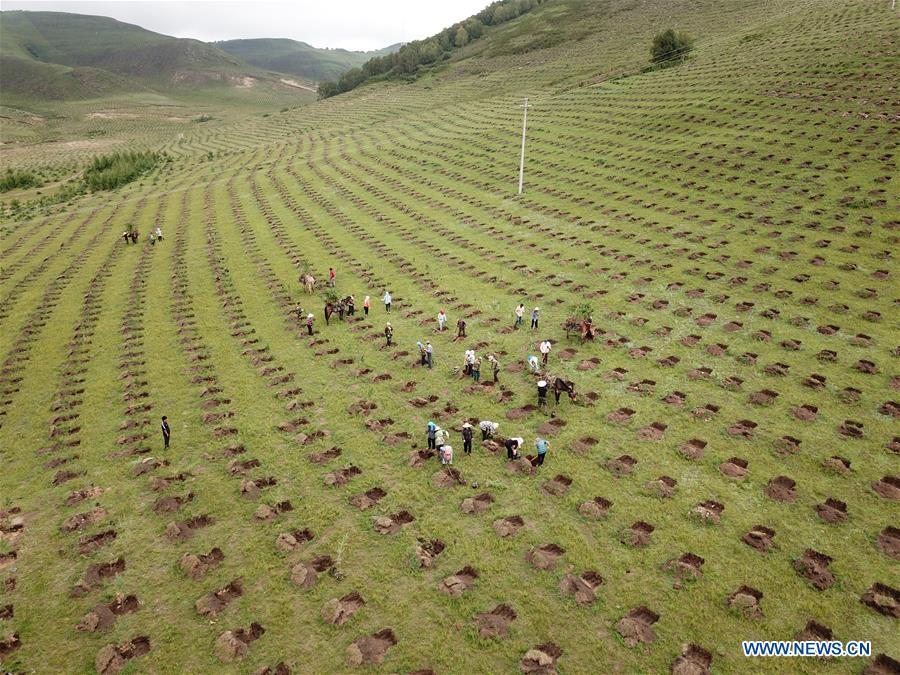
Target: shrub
pixel 12 180
pixel 670 47
pixel 111 171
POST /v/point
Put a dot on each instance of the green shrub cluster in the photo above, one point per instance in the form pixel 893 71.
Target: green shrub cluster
pixel 670 47
pixel 110 171
pixel 412 55
pixel 12 180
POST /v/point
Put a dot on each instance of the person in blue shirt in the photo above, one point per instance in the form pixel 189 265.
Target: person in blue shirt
pixel 387 301
pixel 535 317
pixel 429 355
pixel 431 430
pixel 542 447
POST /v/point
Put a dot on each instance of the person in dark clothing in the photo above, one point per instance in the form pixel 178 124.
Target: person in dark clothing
pixel 542 393
pixel 166 432
pixel 461 328
pixel 512 447
pixel 309 323
pixel 467 438
pixel 388 333
pixel 127 237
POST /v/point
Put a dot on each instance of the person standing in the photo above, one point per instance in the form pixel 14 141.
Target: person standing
pixel 152 239
pixel 366 305
pixel 429 355
pixel 542 393
pixel 388 333
pixel 309 324
pixel 467 438
pixel 331 277
pixel 535 317
pixel 166 432
pixel 127 237
pixel 387 301
pixel 546 346
pixel 159 233
pixel 430 431
pixel 520 312
pixel 542 447
pixel 351 305
pixel 476 369
pixel 461 328
pixel 441 436
pixel 495 366
pixel 488 429
pixel 423 359
pixel 442 321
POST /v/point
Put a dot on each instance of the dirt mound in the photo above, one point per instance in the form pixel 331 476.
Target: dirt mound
pixel 685 567
pixel 583 445
pixel 506 527
pixel 371 649
pixel 290 541
pixel 324 457
pixel 341 477
pixel 306 574
pixel 694 660
pixel 620 466
pixel 782 489
pixel 420 457
pixel 551 427
pixel 520 413
pixel 339 611
pixel 77 496
pixel 888 487
pixel 280 669
pixel 663 487
pixel 89 544
pixel 709 511
pixel 815 631
pixel 635 626
pixel 889 542
pixel 111 659
pixel 171 504
pixel 459 582
pixel 185 529
pixel 196 566
pixel 813 566
pixel 620 416
pixel 232 645
pixel 447 477
pixel 368 499
pixel 10 644
pixel 428 550
pixel 883 599
pixel 81 520
pixel 638 535
pixel 882 665
pixel 734 467
pixel 541 660
pixel 477 504
pixel 495 624
pixel 746 601
pixel 103 616
pixel 212 603
pixel 595 508
pixel 652 432
pixel 693 449
pixel 545 556
pixel 760 538
pixel 558 486
pixel 392 524
pixel 583 587
pixel 96 574
pixel 832 511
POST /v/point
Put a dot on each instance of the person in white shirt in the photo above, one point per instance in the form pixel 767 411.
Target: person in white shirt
pixel 546 346
pixel 387 301
pixel 488 429
pixel 442 320
pixel 520 313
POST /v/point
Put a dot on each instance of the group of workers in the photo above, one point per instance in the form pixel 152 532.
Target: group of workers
pixel 439 440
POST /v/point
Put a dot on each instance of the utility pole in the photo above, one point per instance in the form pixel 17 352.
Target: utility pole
pixel 524 107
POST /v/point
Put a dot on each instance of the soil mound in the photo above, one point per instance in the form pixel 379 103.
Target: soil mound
pixel 782 489
pixel 477 504
pixel 583 587
pixel 541 660
pixel 371 649
pixel 196 566
pixel 104 615
pixel 459 582
pixel 636 626
pixel 883 599
pixel 368 499
pixel 211 604
pixel 506 527
pixel 111 659
pixel 339 611
pixel 392 524
pixel 760 538
pixel 595 508
pixel 306 574
pixel 232 645
pixel 428 550
pixel 746 601
pixel 694 660
pixel 545 556
pixel 813 566
pixel 495 624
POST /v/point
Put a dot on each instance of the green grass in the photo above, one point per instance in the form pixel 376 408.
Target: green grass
pixel 752 173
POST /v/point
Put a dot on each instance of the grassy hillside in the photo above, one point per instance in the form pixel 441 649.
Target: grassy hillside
pixel 728 471
pixel 298 58
pixel 61 56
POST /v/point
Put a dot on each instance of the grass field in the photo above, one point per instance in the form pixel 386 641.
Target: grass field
pixel 731 221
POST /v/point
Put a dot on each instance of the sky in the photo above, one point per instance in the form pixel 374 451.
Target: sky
pixel 351 24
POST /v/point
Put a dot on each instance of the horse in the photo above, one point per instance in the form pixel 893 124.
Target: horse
pixel 560 385
pixel 329 310
pixel 584 328
pixel 308 282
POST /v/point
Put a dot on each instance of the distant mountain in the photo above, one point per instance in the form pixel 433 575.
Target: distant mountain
pixel 49 56
pixel 298 58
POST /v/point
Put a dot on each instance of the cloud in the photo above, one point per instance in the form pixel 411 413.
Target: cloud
pixel 350 24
